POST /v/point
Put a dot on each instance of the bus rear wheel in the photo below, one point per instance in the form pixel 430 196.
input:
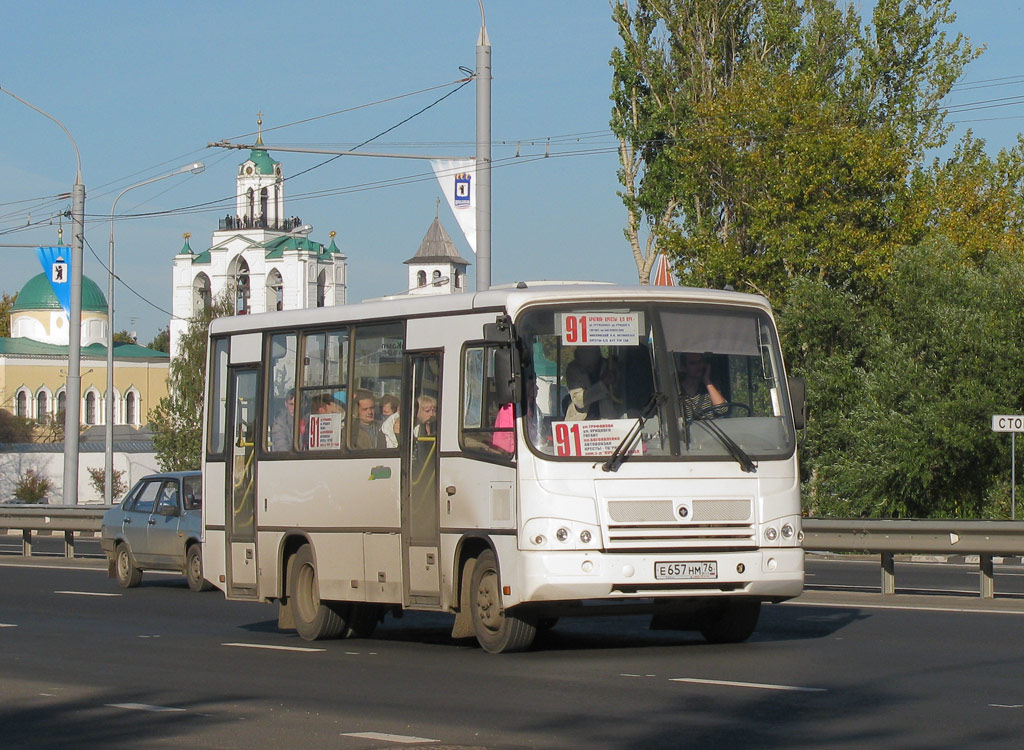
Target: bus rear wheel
pixel 314 620
pixel 498 630
pixel 729 620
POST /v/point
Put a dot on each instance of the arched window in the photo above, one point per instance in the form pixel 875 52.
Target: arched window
pixel 62 402
pixel 238 274
pixel 90 408
pixel 263 208
pixel 321 289
pixel 130 409
pixel 42 407
pixel 201 297
pixel 421 278
pixel 21 404
pixel 275 290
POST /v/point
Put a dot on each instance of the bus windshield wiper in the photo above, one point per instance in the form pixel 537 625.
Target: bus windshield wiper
pixel 625 446
pixel 745 461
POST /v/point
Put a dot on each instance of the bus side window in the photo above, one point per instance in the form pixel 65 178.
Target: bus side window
pixel 281 392
pixel 324 390
pixel 486 426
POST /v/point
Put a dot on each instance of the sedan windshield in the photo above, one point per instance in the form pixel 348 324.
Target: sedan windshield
pixel 706 380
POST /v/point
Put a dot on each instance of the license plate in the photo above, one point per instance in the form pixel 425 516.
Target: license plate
pixel 686 571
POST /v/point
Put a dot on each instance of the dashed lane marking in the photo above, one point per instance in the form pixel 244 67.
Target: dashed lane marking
pixel 757 685
pixel 399 738
pixel 87 593
pixel 270 647
pixel 145 707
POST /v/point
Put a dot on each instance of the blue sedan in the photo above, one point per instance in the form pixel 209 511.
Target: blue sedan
pixel 157 527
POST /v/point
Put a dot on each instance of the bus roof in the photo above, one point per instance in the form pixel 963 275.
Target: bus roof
pixel 510 298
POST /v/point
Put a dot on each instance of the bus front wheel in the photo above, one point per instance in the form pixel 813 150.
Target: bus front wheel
pixel 314 620
pixel 497 630
pixel 729 620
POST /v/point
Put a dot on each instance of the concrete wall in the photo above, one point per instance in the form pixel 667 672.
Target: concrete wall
pixel 134 462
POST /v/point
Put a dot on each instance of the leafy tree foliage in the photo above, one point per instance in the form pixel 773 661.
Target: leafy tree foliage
pixel 162 341
pixel 903 386
pixel 178 418
pixel 761 140
pixel 6 303
pixel 14 429
pixel 123 337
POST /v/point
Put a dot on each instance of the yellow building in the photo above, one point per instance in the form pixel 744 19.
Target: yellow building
pixel 34 361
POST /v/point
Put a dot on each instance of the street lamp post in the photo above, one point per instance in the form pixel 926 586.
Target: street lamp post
pixel 73 402
pixel 108 458
pixel 483 156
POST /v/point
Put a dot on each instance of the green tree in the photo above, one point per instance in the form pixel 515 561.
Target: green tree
pixel 118 485
pixel 177 419
pixel 162 341
pixel 32 487
pixel 902 387
pixel 761 140
pixel 123 337
pixel 14 429
pixel 6 303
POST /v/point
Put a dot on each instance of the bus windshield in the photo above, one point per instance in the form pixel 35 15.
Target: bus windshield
pixel 706 380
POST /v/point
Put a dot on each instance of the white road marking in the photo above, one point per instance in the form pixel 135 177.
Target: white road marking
pixel 908 607
pixel 400 738
pixel 87 593
pixel 144 707
pixel 1004 705
pixel 274 648
pixel 7 625
pixel 758 685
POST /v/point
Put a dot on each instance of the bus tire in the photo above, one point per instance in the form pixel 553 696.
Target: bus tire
pixel 729 620
pixel 128 575
pixel 314 620
pixel 497 630
pixel 362 620
pixel 194 569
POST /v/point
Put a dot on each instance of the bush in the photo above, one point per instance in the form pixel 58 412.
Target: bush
pixel 32 487
pixel 118 486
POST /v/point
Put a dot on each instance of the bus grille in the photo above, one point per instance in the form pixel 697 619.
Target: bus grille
pixel 712 523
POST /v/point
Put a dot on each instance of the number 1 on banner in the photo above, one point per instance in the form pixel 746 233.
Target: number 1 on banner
pixel 575 329
pixel 567 440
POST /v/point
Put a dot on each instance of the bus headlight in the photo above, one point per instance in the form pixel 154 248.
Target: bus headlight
pixel 787 531
pixel 539 540
pixel 585 536
pixel 771 534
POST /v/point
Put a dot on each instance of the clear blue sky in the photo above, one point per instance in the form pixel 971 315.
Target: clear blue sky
pixel 144 86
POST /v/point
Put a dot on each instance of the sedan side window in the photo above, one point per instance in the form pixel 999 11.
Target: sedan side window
pixel 168 503
pixel 145 498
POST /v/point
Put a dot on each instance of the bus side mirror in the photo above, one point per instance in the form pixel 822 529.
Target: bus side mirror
pixel 506 384
pixel 798 398
pixel 500 331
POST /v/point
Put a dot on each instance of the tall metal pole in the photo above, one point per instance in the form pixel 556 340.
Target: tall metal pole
pixel 108 453
pixel 73 402
pixel 73 399
pixel 483 156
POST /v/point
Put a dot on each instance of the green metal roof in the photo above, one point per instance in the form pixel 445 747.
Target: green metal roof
pixel 264 164
pixel 276 247
pixel 29 347
pixel 37 294
pixel 186 249
pixel 203 257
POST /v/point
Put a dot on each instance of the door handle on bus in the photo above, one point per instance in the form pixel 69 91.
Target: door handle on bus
pixel 152 522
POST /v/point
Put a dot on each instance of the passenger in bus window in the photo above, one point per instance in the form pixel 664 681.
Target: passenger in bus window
pixel 284 422
pixel 426 415
pixel 367 428
pixel 589 378
pixel 388 405
pixel 699 397
pixel 391 430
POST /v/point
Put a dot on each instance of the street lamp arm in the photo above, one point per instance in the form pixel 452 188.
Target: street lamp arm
pixel 108 457
pixel 78 177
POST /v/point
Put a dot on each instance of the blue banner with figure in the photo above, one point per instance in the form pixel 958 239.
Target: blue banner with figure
pixel 56 263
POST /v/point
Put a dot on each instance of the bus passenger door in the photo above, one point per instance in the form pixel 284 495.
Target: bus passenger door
pixel 420 494
pixel 240 515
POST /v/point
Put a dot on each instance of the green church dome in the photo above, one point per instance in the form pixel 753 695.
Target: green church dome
pixel 37 294
pixel 264 164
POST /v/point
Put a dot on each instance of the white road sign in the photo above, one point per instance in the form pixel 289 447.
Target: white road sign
pixel 1007 423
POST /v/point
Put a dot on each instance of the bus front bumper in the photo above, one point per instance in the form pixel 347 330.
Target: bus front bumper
pixel 771 574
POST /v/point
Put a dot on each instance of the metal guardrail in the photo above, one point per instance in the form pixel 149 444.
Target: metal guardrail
pixel 69 520
pixel 986 539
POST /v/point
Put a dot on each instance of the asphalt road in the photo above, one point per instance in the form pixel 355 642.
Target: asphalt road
pixel 84 664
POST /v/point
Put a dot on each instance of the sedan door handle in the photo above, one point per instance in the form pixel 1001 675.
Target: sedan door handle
pixel 152 521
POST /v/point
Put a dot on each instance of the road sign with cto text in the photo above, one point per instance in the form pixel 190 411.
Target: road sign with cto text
pixel 1007 423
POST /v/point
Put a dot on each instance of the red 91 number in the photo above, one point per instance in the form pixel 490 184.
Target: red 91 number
pixel 575 329
pixel 567 440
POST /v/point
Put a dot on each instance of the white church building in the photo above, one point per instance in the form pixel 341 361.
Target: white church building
pixel 263 258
